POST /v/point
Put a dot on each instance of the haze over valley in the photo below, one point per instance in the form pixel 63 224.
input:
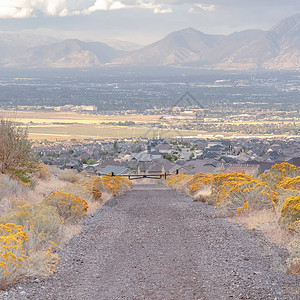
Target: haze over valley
pixel 275 49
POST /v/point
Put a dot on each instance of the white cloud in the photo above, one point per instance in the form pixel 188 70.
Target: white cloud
pixel 32 8
pixel 202 7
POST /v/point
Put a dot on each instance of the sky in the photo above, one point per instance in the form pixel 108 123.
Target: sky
pixel 140 21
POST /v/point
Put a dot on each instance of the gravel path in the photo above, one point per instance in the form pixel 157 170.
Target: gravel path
pixel 155 243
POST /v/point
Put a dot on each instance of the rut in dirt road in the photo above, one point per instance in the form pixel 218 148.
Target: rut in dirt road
pixel 156 243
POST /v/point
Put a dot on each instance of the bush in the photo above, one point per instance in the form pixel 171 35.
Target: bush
pixel 179 181
pixel 293 261
pixel 40 217
pixel 11 187
pixel 199 181
pixel 224 183
pixel 291 210
pixel 249 196
pixel 290 183
pixel 113 185
pixel 12 256
pixel 93 187
pixel 279 173
pixel 69 206
pixel 17 260
pixel 68 175
pixel 42 172
pixel 15 151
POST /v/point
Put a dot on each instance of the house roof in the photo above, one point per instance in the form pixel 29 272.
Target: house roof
pixel 200 166
pixel 117 170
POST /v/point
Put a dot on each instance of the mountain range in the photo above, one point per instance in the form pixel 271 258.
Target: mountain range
pixel 278 49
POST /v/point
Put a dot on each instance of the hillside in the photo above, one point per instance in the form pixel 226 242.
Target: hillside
pixel 65 54
pixel 278 48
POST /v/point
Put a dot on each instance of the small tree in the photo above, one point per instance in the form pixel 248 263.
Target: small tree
pixel 15 151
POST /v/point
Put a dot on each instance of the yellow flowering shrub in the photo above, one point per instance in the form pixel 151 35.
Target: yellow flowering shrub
pixel 290 211
pixel 12 255
pixel 93 187
pixel 18 259
pixel 295 226
pixel 224 183
pixel 199 181
pixel 110 184
pixel 179 181
pixel 69 206
pixel 278 173
pixel 248 196
pixel 42 218
pixel 290 183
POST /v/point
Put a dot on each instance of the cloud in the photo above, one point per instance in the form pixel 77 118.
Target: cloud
pixel 33 8
pixel 202 7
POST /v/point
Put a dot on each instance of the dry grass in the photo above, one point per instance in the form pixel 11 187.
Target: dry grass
pixel 68 232
pixel 267 222
pixel 202 195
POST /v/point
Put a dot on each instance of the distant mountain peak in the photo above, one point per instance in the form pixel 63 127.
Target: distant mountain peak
pixel 288 25
pixel 278 48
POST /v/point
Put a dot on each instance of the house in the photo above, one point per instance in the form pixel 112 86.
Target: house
pixel 295 161
pixel 200 166
pixel 252 170
pixel 158 166
pixel 164 148
pixel 112 169
pixel 144 157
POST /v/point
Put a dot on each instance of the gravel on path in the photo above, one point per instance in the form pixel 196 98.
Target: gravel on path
pixel 156 243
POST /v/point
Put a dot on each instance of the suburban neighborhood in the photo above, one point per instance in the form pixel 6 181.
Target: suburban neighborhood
pixel 160 156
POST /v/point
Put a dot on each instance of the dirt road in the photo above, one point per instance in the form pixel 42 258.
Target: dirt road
pixel 156 243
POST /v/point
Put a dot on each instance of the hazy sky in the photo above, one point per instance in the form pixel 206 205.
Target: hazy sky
pixel 140 21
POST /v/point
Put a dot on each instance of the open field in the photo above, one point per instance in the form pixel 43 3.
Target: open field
pixel 83 131
pixel 39 117
pixel 71 125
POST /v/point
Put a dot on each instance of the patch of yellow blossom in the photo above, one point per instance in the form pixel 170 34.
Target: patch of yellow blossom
pixel 241 208
pixel 110 184
pixel 68 205
pixel 12 256
pixel 290 211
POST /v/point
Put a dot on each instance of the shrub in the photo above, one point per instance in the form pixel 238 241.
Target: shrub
pixel 15 151
pixel 9 186
pixel 42 172
pixel 69 175
pixel 94 186
pixel 290 183
pixel 199 181
pixel 43 218
pixel 53 170
pixel 278 173
pixel 18 260
pixel 113 185
pixel 249 196
pixel 179 181
pixel 291 210
pixel 69 206
pixel 293 261
pixel 12 256
pixel 224 183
